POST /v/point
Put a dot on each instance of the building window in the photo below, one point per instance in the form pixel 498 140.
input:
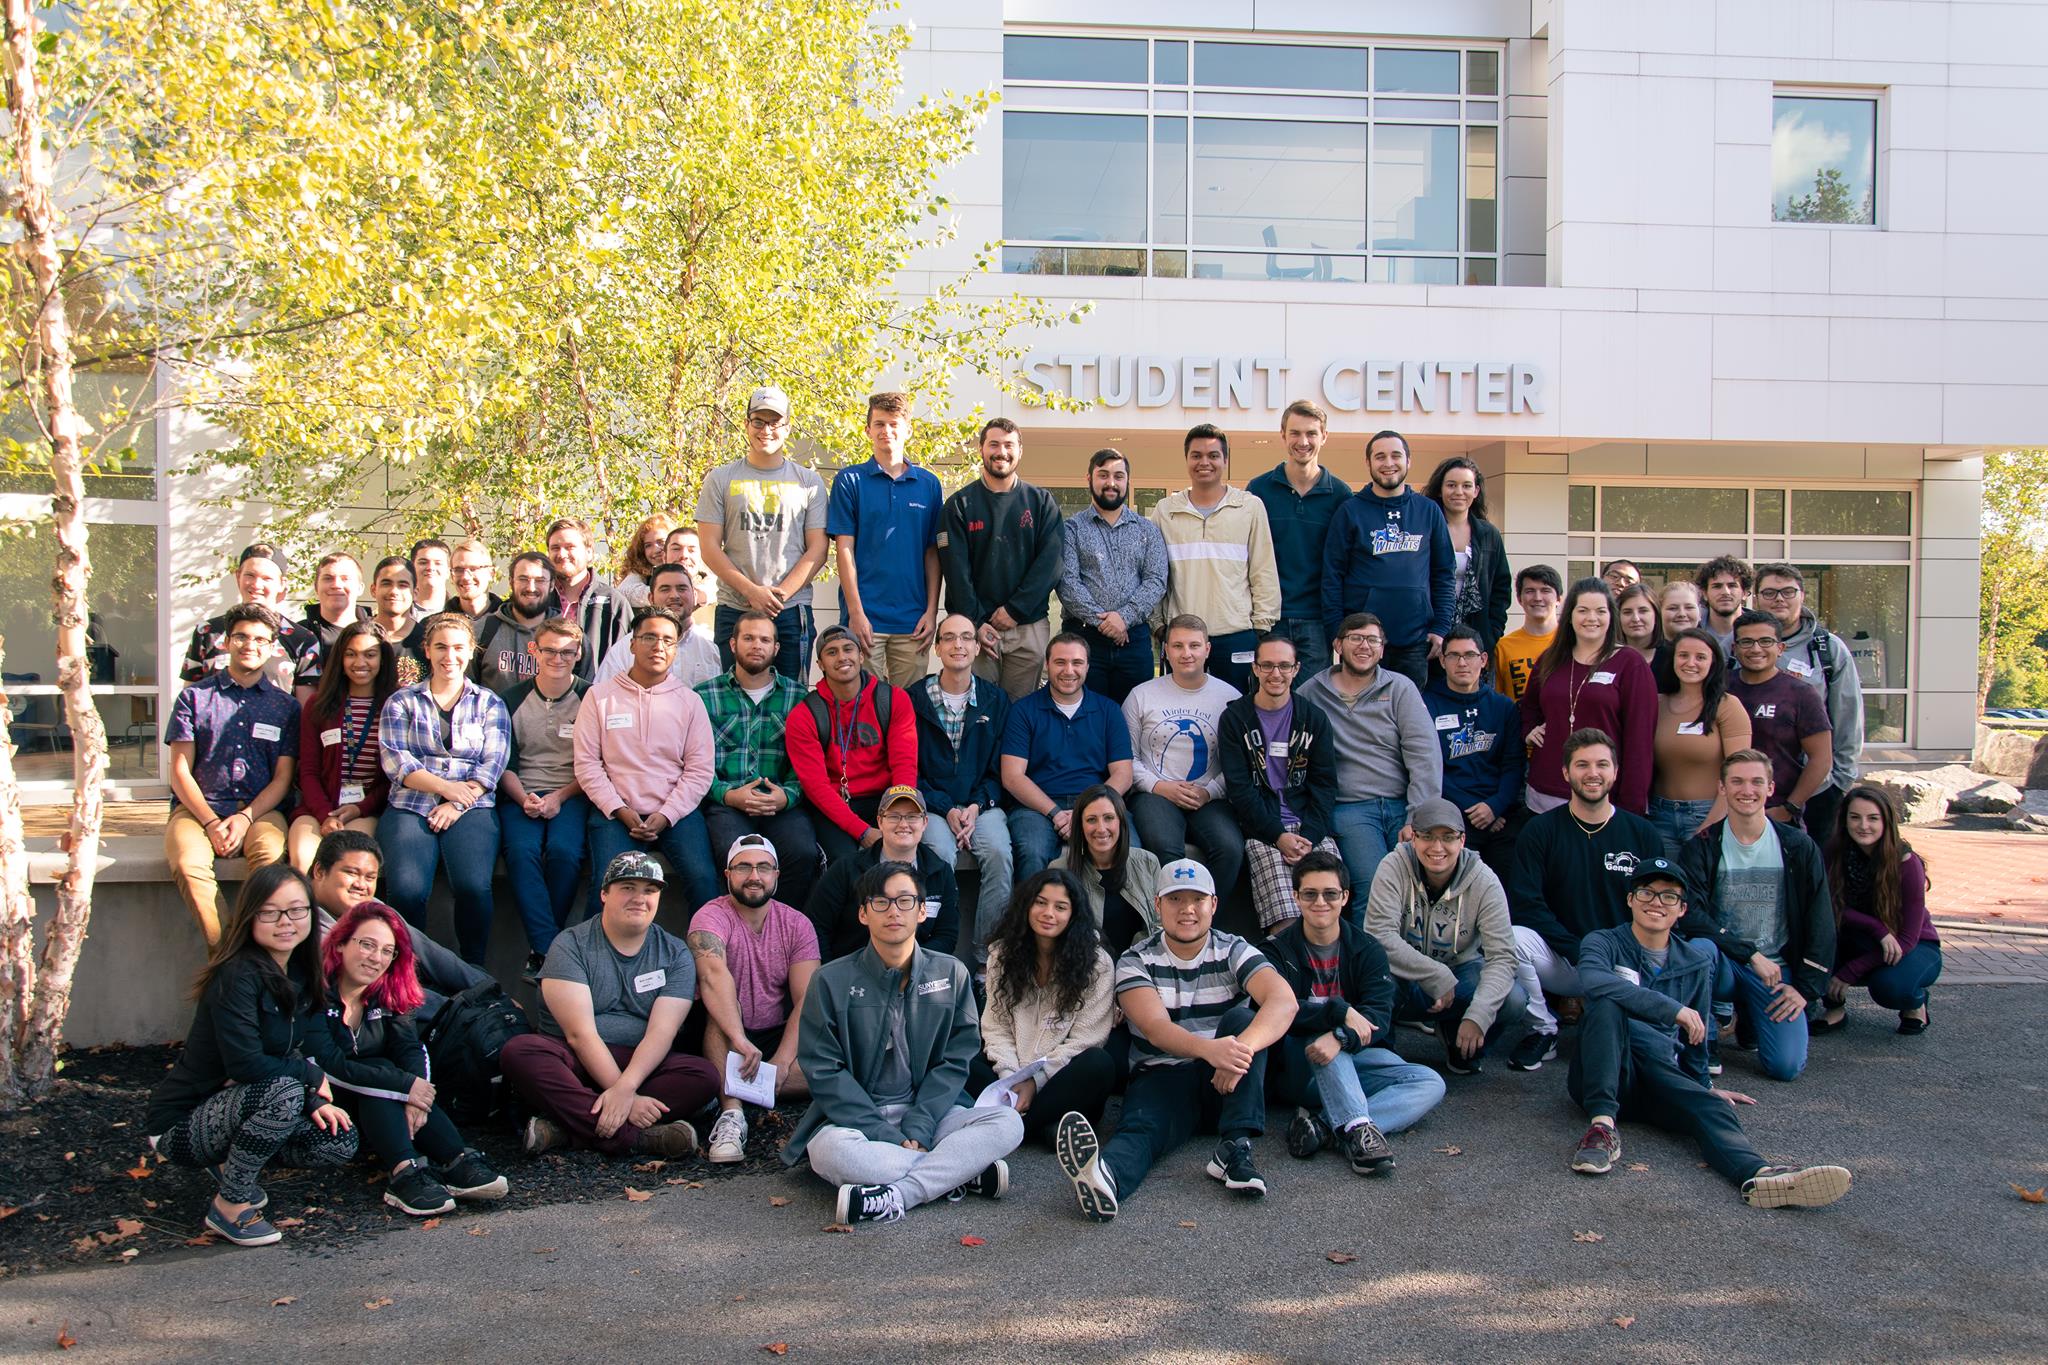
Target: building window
pixel 1250 160
pixel 1824 159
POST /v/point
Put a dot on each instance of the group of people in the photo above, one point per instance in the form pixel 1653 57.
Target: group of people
pixel 1429 818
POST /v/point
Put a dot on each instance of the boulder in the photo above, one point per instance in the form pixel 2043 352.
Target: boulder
pixel 2031 815
pixel 2020 756
pixel 1971 792
pixel 1920 801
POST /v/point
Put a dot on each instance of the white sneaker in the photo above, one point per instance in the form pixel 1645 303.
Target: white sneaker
pixel 728 1138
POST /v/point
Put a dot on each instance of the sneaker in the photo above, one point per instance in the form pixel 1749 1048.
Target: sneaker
pixel 675 1138
pixel 1369 1150
pixel 1533 1051
pixel 1455 1062
pixel 728 1139
pixel 1307 1134
pixel 992 1183
pixel 1598 1150
pixel 1079 1153
pixel 543 1135
pixel 1232 1164
pixel 262 1198
pixel 1713 1056
pixel 1780 1187
pixel 869 1204
pixel 467 1177
pixel 531 974
pixel 412 1189
pixel 249 1228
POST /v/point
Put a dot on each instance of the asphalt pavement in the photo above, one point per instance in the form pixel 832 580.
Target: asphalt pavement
pixel 1481 1246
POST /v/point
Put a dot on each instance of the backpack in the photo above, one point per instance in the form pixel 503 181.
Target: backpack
pixel 463 1042
pixel 822 714
pixel 1820 649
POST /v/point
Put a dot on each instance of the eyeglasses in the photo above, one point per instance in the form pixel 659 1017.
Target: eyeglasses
pixel 243 637
pixel 1319 896
pixel 751 869
pixel 1360 638
pixel 905 902
pixel 271 915
pixel 1757 642
pixel 383 951
pixel 902 817
pixel 957 637
pixel 1778 594
pixel 1275 666
pixel 562 655
pixel 1439 836
pixel 1666 897
pixel 656 641
pixel 767 423
pixel 1457 655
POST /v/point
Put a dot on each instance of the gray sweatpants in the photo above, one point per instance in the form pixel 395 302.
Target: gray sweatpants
pixel 969 1142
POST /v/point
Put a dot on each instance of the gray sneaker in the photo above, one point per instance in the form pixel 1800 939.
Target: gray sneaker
pixel 543 1135
pixel 1369 1150
pixel 1780 1187
pixel 668 1140
pixel 1079 1153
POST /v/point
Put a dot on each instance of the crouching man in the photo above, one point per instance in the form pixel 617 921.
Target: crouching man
pixel 885 1038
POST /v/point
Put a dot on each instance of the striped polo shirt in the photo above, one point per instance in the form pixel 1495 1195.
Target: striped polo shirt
pixel 1196 993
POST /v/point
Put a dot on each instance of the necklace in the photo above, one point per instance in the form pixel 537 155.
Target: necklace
pixel 1571 716
pixel 1590 830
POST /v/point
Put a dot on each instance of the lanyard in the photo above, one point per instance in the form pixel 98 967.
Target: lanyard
pixel 842 740
pixel 354 750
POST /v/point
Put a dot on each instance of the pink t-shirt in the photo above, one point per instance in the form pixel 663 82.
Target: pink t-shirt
pixel 760 962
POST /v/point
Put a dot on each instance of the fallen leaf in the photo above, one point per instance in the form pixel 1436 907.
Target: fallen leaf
pixel 649 1167
pixel 2039 1196
pixel 84 1244
pixel 739 1298
pixel 1340 1257
pixel 479 1231
pixel 128 1227
pixel 149 1203
pixel 287 1222
pixel 142 1172
pixel 544 1251
pixel 374 1304
pixel 8 1211
pixel 1448 1151
pixel 972 1241
pixel 65 1341
pixel 1589 1237
pixel 69 1155
pixel 838 1227
pixel 1187 1222
pixel 1624 1323
pixel 776 1201
pixel 634 1196
pixel 287 1301
pixel 777 1348
pixel 82 1189
pixel 131 1253
pixel 204 1239
pixel 1639 1165
pixel 430 1224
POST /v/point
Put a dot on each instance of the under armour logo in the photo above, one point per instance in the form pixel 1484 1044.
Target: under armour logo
pixel 1183 874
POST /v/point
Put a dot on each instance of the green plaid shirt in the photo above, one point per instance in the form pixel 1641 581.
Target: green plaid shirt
pixel 747 735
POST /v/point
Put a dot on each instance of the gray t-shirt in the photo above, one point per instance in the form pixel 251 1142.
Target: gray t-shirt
pixel 764 515
pixel 622 989
pixel 1752 890
pixel 894 1083
pixel 545 732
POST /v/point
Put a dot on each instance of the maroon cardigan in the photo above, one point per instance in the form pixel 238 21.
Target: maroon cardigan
pixel 1626 708
pixel 1859 950
pixel 320 767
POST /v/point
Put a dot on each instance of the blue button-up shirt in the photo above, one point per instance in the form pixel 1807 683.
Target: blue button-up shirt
pixel 237 736
pixel 892 522
pixel 1111 567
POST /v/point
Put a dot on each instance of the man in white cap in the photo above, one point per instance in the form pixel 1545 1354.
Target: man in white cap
pixel 755 957
pixel 1203 1009
pixel 761 530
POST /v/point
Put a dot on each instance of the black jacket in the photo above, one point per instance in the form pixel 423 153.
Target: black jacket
pixel 247 1028
pixel 1362 973
pixel 378 1060
pixel 832 912
pixel 1496 582
pixel 973 777
pixel 1809 910
pixel 1311 771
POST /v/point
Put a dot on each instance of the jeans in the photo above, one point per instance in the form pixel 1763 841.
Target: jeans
pixel 1780 1047
pixel 1366 830
pixel 989 843
pixel 789 829
pixel 468 849
pixel 1165 829
pixel 1411 1001
pixel 1678 821
pixel 1621 1076
pixel 1224 663
pixel 1903 985
pixel 544 863
pixel 1164 1104
pixel 382 1124
pixel 1033 839
pixel 1372 1084
pixel 1311 644
pixel 683 845
pixel 1114 669
pixel 794 632
pixel 968 1142
pixel 835 843
pixel 1082 1086
pixel 1410 661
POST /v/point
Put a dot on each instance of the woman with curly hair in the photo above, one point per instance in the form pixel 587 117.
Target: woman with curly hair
pixel 647 548
pixel 1884 939
pixel 1049 995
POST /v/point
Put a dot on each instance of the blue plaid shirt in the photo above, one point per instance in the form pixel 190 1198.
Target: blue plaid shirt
pixel 480 742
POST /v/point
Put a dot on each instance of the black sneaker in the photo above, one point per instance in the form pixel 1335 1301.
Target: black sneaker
pixel 467 1177
pixel 1307 1134
pixel 531 974
pixel 1713 1056
pixel 1455 1062
pixel 412 1189
pixel 1779 1187
pixel 1598 1150
pixel 1232 1164
pixel 1369 1150
pixel 870 1204
pixel 1079 1152
pixel 992 1183
pixel 1533 1051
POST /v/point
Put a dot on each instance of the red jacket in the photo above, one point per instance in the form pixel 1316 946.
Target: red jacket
pixel 320 765
pixel 872 763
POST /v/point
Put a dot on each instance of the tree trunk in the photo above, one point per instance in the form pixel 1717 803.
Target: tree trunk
pixel 1987 669
pixel 65 937
pixel 17 921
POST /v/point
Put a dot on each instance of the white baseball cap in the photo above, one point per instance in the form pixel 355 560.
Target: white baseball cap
pixel 1185 874
pixel 769 397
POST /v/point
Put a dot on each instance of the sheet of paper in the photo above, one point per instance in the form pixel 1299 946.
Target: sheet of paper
pixel 1003 1093
pixel 760 1090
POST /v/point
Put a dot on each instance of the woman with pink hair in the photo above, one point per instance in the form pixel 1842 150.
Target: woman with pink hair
pixel 367 1046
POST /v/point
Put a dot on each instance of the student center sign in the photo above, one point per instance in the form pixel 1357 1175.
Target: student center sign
pixel 1267 384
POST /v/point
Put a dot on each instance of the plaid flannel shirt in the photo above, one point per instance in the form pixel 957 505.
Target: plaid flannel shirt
pixel 410 734
pixel 747 736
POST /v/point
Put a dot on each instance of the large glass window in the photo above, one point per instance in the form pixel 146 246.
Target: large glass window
pixel 1250 160
pixel 1823 159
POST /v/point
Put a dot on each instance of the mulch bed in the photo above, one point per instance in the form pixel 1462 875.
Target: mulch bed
pixel 79 1187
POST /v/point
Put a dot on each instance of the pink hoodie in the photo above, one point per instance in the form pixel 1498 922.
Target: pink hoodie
pixel 649 748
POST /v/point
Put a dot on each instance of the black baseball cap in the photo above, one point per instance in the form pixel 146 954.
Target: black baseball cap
pixel 1655 870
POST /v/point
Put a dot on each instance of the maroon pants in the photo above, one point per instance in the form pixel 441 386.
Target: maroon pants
pixel 546 1073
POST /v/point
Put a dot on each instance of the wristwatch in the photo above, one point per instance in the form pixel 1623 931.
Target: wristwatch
pixel 1798 811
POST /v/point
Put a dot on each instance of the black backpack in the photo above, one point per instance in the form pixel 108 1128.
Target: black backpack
pixel 463 1042
pixel 821 715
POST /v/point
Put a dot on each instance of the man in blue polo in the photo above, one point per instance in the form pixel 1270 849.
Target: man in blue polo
pixel 884 524
pixel 1060 741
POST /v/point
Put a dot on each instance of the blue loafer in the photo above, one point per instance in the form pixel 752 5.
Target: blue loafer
pixel 249 1228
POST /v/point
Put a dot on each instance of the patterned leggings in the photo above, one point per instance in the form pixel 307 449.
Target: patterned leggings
pixel 243 1128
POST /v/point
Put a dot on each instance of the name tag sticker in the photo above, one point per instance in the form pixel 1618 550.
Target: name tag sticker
pixel 262 731
pixel 470 736
pixel 566 732
pixel 650 981
pixel 1628 974
pixel 619 720
pixel 351 794
pixel 934 987
pixel 1446 722
pixel 1692 727
pixel 1799 668
pixel 1241 656
pixel 1602 677
pixel 931 907
pixel 330 736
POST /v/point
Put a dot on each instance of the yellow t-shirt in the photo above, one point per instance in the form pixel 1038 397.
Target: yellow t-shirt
pixel 1514 661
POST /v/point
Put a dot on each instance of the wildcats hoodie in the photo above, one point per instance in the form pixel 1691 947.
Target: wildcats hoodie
pixel 1393 558
pixel 1479 734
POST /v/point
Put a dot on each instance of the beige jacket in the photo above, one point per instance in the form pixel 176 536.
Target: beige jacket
pixel 1219 567
pixel 1035 1029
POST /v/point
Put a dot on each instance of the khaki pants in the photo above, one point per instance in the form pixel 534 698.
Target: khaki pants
pixel 190 854
pixel 899 660
pixel 1019 659
pixel 303 839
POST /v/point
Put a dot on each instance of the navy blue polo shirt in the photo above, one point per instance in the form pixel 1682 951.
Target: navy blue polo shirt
pixel 237 735
pixel 1066 757
pixel 892 522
